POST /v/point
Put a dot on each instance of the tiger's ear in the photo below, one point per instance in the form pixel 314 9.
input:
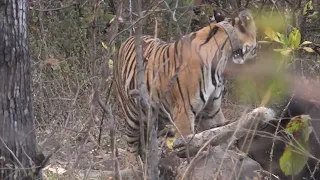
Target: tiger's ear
pixel 246 16
pixel 218 16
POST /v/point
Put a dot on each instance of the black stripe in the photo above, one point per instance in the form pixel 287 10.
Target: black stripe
pixel 143 111
pixel 212 116
pixel 192 109
pixel 203 79
pixel 167 59
pixel 213 79
pixel 176 47
pixel 241 28
pixel 224 43
pixel 163 56
pixel 132 84
pixel 180 91
pixel 216 98
pixel 175 60
pixel 159 65
pixel 132 135
pixel 165 106
pixel 130 63
pixel 128 54
pixel 233 22
pixel 148 83
pixel 193 36
pixel 201 95
pixel 158 94
pixel 210 35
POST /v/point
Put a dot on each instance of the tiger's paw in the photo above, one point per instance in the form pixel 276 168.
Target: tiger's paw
pixel 184 147
pixel 178 146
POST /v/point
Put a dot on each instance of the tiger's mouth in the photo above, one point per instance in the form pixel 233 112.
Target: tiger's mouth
pixel 240 56
pixel 249 52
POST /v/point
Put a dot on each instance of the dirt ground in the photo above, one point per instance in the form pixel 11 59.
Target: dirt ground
pixel 78 158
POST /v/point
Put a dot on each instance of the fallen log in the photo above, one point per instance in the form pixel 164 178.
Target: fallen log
pixel 216 136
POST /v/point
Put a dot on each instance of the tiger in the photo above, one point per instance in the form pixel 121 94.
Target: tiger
pixel 185 77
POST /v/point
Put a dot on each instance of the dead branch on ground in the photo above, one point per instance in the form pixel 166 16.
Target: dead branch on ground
pixel 219 135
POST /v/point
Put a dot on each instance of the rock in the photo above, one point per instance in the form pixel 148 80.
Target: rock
pixel 221 164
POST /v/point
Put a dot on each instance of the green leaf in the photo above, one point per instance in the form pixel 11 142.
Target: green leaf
pixel 313 15
pixel 306 127
pixel 294 126
pixel 264 42
pixel 114 48
pixel 294 38
pixel 284 40
pixel 104 45
pixel 271 34
pixel 308 49
pixel 279 50
pixel 299 127
pixel 292 162
pixel 297 39
pixel 110 64
pixel 295 157
pixel 306 7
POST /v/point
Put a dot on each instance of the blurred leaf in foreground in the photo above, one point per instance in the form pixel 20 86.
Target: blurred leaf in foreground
pixel 295 156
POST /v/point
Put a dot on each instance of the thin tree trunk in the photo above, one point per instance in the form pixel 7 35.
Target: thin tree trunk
pixel 18 154
pixel 151 148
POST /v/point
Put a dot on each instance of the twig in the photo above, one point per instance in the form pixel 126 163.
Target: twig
pixel 104 112
pixel 276 132
pixel 14 156
pixel 53 9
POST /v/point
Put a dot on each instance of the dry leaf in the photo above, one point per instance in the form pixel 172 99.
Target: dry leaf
pixel 55 170
pixel 308 49
pixel 52 62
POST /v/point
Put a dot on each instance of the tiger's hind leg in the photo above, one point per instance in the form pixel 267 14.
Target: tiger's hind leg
pixel 132 152
pixel 133 149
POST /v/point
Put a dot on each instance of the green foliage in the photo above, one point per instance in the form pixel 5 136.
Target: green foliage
pixel 113 51
pixel 188 1
pixel 291 162
pixel 289 43
pixel 307 6
pixel 295 156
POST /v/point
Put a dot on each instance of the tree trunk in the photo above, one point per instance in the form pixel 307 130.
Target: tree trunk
pixel 18 151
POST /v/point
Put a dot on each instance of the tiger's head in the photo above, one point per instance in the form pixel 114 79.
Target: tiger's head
pixel 242 35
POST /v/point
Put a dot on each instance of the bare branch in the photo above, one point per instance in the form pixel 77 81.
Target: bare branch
pixel 53 9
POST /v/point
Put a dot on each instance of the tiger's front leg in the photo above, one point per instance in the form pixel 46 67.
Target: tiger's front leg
pixel 212 116
pixel 208 121
pixel 184 120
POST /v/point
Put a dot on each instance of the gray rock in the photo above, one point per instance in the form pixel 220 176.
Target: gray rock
pixel 222 164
